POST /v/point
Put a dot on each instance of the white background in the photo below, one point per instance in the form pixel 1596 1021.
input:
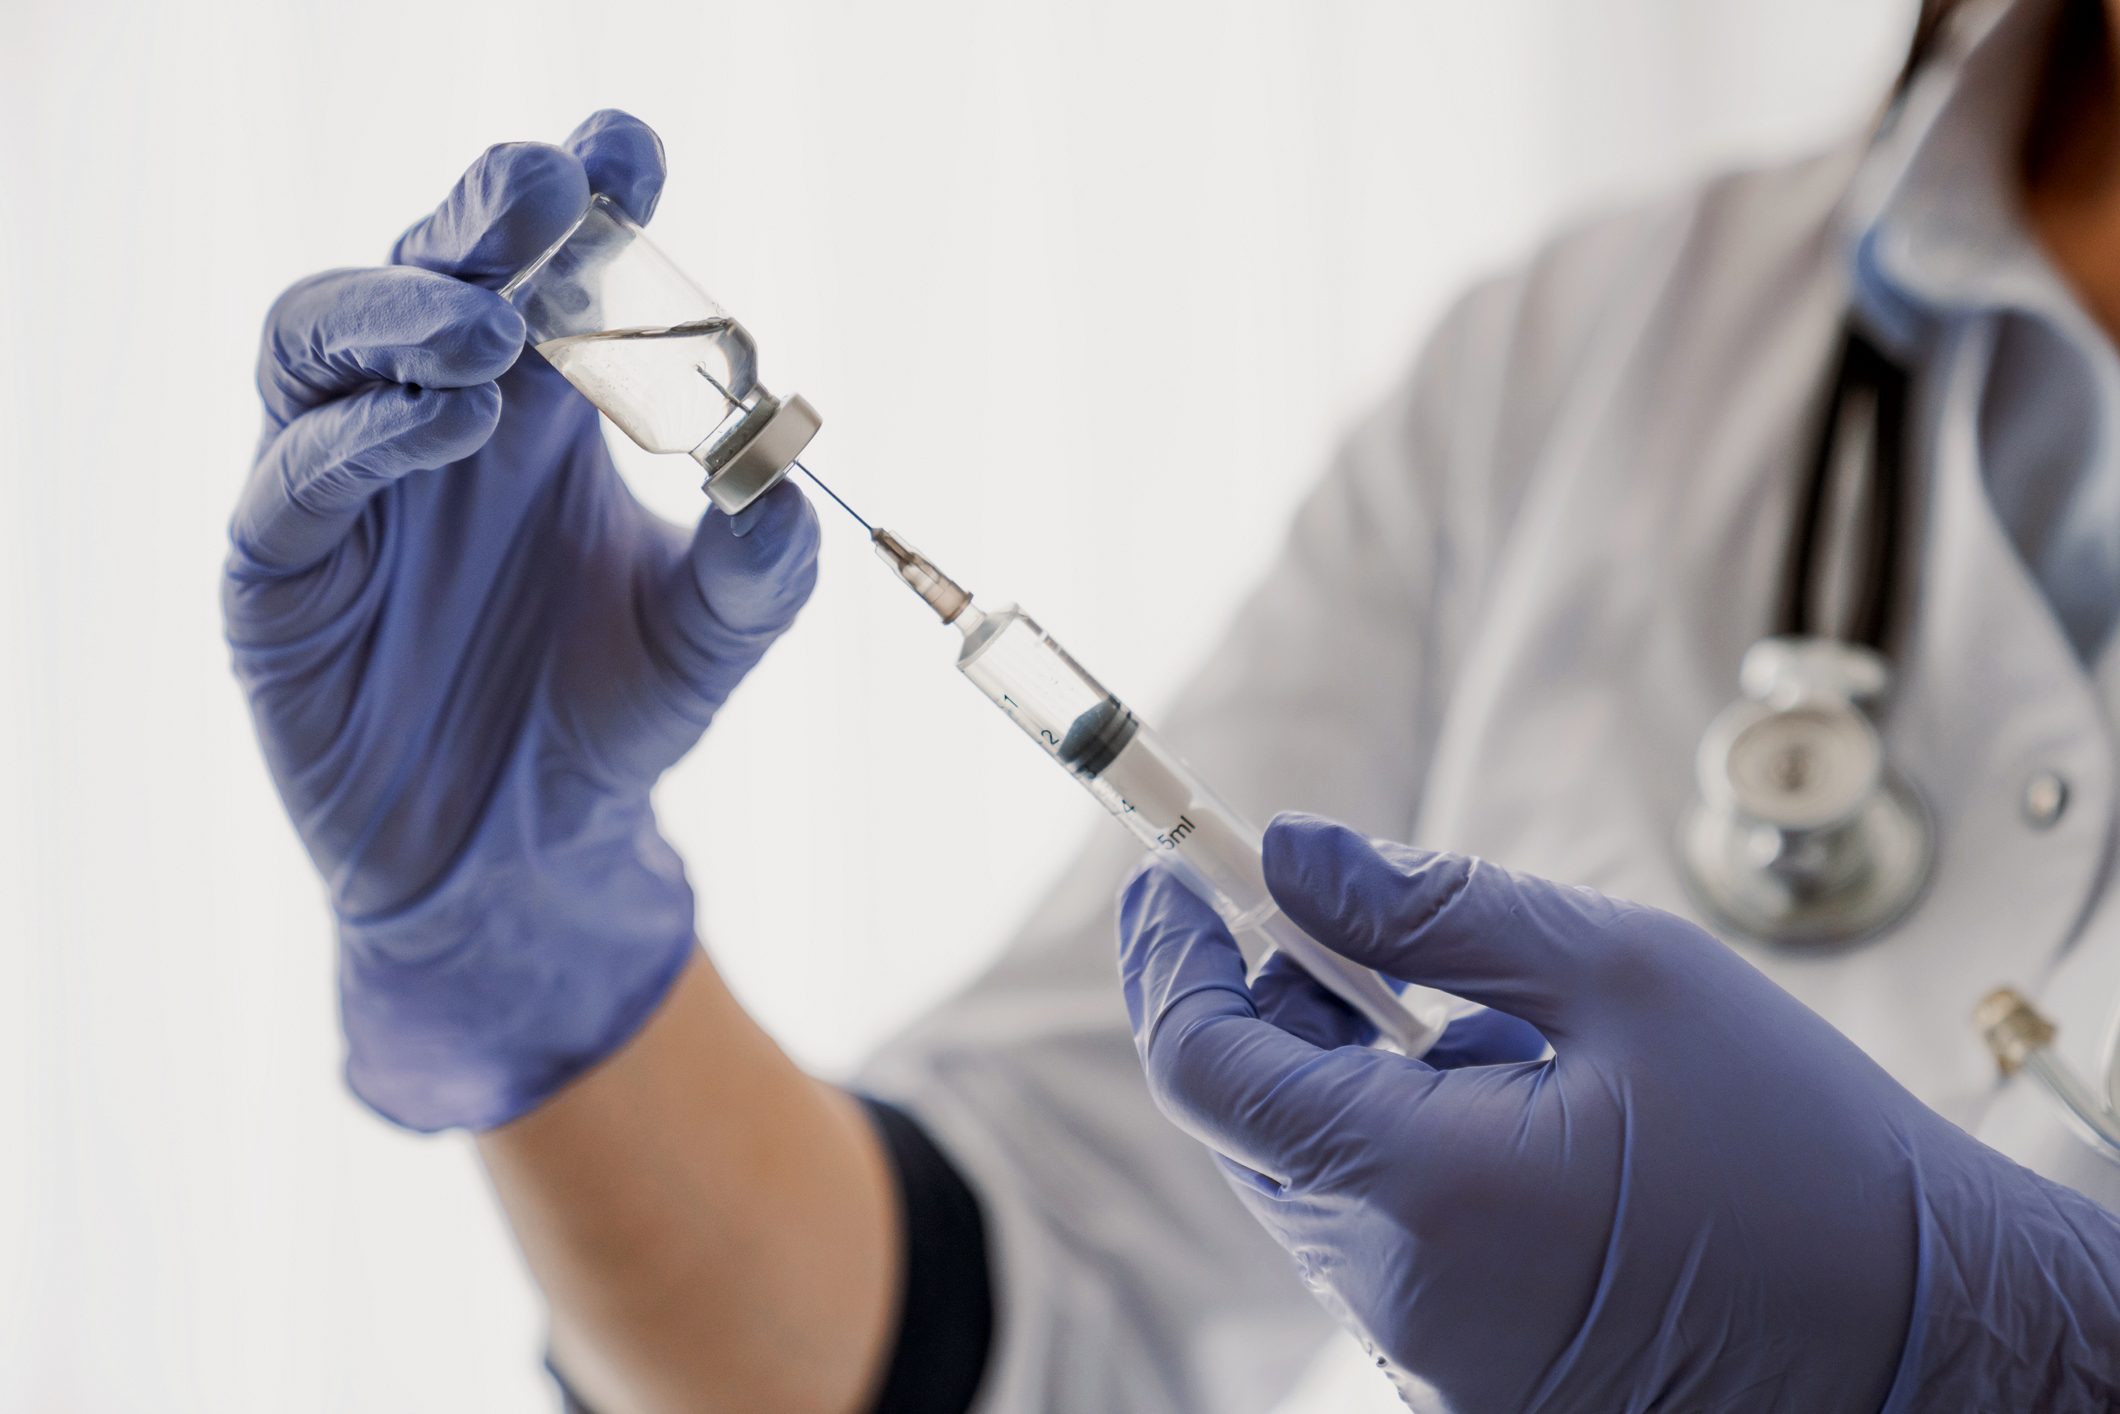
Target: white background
pixel 1148 257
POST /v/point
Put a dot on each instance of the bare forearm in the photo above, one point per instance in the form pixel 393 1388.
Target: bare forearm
pixel 712 1227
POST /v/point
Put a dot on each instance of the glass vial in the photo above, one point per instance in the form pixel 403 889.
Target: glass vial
pixel 659 357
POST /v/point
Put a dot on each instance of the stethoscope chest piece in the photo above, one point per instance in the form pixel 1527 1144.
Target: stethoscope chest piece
pixel 1802 833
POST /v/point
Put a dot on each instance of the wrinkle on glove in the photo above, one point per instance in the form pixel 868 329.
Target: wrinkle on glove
pixel 470 653
pixel 1705 1198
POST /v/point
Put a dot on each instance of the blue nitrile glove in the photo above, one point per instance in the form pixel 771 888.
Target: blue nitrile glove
pixel 1706 1199
pixel 469 652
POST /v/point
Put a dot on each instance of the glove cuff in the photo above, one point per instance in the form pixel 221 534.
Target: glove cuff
pixel 477 1004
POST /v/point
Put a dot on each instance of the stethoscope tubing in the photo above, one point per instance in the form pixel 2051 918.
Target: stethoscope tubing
pixel 1866 382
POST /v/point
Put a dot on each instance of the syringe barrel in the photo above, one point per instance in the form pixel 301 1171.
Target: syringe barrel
pixel 1149 789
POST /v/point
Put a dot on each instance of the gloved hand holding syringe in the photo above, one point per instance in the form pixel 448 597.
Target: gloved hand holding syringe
pixel 677 374
pixel 1123 763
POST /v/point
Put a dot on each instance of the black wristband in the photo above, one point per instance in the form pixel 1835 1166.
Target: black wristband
pixel 945 1302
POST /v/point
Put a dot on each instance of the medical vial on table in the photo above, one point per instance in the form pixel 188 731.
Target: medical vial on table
pixel 1149 790
pixel 658 356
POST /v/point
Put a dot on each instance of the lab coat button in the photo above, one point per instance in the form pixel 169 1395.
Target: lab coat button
pixel 2045 797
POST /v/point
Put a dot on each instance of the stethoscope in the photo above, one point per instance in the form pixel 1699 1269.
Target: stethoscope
pixel 1804 834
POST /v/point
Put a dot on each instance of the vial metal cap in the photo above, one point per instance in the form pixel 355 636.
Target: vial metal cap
pixel 757 455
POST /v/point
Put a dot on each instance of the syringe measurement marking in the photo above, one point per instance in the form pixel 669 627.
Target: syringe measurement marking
pixel 1008 705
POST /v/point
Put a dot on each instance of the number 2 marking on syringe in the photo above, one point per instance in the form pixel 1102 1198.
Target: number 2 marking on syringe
pixel 1009 704
pixel 1045 733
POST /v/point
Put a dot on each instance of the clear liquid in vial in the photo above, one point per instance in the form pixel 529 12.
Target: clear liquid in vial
pixel 678 389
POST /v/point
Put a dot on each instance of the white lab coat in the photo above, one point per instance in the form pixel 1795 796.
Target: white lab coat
pixel 1500 624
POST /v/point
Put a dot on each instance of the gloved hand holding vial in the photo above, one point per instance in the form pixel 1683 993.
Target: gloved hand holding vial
pixel 470 653
pixel 677 374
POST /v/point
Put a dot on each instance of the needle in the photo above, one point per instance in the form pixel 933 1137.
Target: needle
pixel 738 403
pixel 834 495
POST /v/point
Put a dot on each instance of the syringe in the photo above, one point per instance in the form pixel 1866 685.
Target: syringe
pixel 1144 784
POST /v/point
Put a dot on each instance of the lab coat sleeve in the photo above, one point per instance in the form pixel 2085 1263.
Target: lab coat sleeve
pixel 1127 1277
